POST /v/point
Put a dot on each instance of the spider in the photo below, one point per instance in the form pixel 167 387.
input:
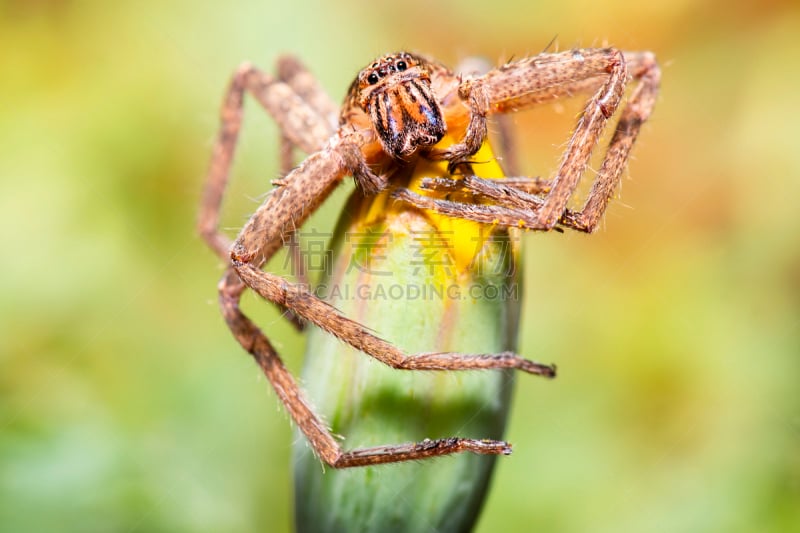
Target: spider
pixel 397 111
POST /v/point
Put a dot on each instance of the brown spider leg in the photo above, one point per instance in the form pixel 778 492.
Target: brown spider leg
pixel 315 430
pixel 486 214
pixel 471 67
pixel 643 67
pixel 312 426
pixel 508 87
pixel 300 124
pixel 297 298
pixel 519 183
pixel 284 209
pixel 294 73
pixel 543 214
pixel 508 193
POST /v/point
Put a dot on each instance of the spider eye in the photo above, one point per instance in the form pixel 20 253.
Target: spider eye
pixel 401 66
pixel 372 79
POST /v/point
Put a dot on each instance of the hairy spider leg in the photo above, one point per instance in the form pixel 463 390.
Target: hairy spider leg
pixel 298 121
pixel 307 119
pixel 539 79
pixel 294 73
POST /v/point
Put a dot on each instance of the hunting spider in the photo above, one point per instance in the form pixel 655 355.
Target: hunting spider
pixel 397 110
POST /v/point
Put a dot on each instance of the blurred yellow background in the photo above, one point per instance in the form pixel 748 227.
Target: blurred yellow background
pixel 125 404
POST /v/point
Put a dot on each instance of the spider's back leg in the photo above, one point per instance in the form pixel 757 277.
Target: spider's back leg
pixel 298 121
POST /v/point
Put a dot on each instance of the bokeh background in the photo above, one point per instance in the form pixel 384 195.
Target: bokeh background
pixel 125 404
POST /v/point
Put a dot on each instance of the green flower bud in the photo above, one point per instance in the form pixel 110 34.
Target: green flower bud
pixel 427 284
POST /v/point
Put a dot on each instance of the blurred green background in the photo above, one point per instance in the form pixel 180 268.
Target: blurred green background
pixel 125 403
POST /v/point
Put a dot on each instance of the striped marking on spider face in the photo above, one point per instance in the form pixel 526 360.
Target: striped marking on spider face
pixel 406 116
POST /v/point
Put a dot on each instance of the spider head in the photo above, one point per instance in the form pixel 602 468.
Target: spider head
pixel 395 91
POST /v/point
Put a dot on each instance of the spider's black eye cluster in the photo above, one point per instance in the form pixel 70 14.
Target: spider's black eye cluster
pixel 379 70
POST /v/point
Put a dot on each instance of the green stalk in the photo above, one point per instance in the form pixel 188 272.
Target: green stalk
pixel 393 252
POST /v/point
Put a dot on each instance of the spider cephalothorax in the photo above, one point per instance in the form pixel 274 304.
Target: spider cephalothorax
pixel 395 91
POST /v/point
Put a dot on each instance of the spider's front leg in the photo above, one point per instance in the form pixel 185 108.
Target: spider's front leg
pixel 540 79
